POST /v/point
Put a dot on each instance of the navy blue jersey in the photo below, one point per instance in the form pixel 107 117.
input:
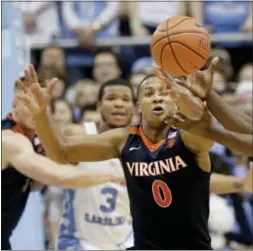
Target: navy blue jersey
pixel 168 192
pixel 15 191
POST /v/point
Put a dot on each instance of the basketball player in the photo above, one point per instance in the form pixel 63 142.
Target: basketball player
pixel 21 162
pixel 200 83
pixel 98 218
pixel 167 170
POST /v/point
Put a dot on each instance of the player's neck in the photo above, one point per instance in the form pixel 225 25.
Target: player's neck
pixel 154 134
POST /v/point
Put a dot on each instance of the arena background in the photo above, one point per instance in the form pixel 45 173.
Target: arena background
pixel 23 42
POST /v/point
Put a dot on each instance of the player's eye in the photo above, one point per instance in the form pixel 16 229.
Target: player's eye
pixel 148 94
pixel 126 99
pixel 110 98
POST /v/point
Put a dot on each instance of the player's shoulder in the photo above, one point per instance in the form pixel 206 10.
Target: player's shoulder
pixel 10 138
pixel 14 143
pixel 117 136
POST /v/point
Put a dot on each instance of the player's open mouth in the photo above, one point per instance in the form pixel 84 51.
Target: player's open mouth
pixel 157 110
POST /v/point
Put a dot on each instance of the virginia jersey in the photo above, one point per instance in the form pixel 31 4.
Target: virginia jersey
pixel 168 192
pixel 15 188
pixel 98 216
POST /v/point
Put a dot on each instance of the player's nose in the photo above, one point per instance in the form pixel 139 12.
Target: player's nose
pixel 157 97
pixel 118 103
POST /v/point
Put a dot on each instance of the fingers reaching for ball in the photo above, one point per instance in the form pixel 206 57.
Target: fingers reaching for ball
pixel 165 79
pixel 213 65
pixel 199 126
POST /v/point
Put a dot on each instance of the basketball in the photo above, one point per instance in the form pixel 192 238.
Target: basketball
pixel 180 46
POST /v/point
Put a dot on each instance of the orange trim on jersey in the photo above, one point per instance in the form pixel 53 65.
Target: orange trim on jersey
pixel 16 127
pixel 134 130
pixel 151 146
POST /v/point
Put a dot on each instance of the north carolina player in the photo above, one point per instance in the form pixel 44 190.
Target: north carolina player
pixel 99 218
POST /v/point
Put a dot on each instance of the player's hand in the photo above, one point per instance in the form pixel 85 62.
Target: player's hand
pixel 35 97
pixel 199 126
pixel 248 182
pixel 184 100
pixel 200 82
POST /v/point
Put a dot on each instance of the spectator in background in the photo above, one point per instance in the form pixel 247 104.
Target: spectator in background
pixel 59 88
pixel 223 16
pixel 87 20
pixel 52 60
pixel 40 20
pixel 86 92
pixel 90 114
pixel 107 65
pixel 221 221
pixel 244 97
pixel 145 16
pixel 246 73
pixel 241 237
pixel 135 79
pixel 219 82
pixel 224 64
pixel 62 112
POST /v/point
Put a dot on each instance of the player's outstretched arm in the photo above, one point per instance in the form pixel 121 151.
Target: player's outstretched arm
pixel 19 153
pixel 226 184
pixel 200 83
pixel 242 143
pixel 206 128
pixel 65 149
pixel 77 148
pixel 229 117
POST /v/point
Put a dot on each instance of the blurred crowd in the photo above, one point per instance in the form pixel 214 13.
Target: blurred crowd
pixel 83 69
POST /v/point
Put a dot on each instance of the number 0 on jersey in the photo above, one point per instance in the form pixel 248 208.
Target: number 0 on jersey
pixel 161 193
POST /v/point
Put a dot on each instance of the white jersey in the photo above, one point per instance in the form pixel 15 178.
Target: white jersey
pixel 98 216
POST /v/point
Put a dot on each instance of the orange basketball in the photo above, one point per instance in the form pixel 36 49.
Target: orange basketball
pixel 180 46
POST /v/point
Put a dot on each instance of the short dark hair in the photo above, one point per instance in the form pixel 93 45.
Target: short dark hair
pixel 113 82
pixel 151 75
pixel 109 51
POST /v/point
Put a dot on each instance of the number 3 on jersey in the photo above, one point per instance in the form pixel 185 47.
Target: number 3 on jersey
pixel 111 195
pixel 161 193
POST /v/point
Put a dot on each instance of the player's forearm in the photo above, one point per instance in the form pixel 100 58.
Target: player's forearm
pixel 81 179
pixel 224 184
pixel 228 116
pixel 239 142
pixel 50 138
pixel 50 173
